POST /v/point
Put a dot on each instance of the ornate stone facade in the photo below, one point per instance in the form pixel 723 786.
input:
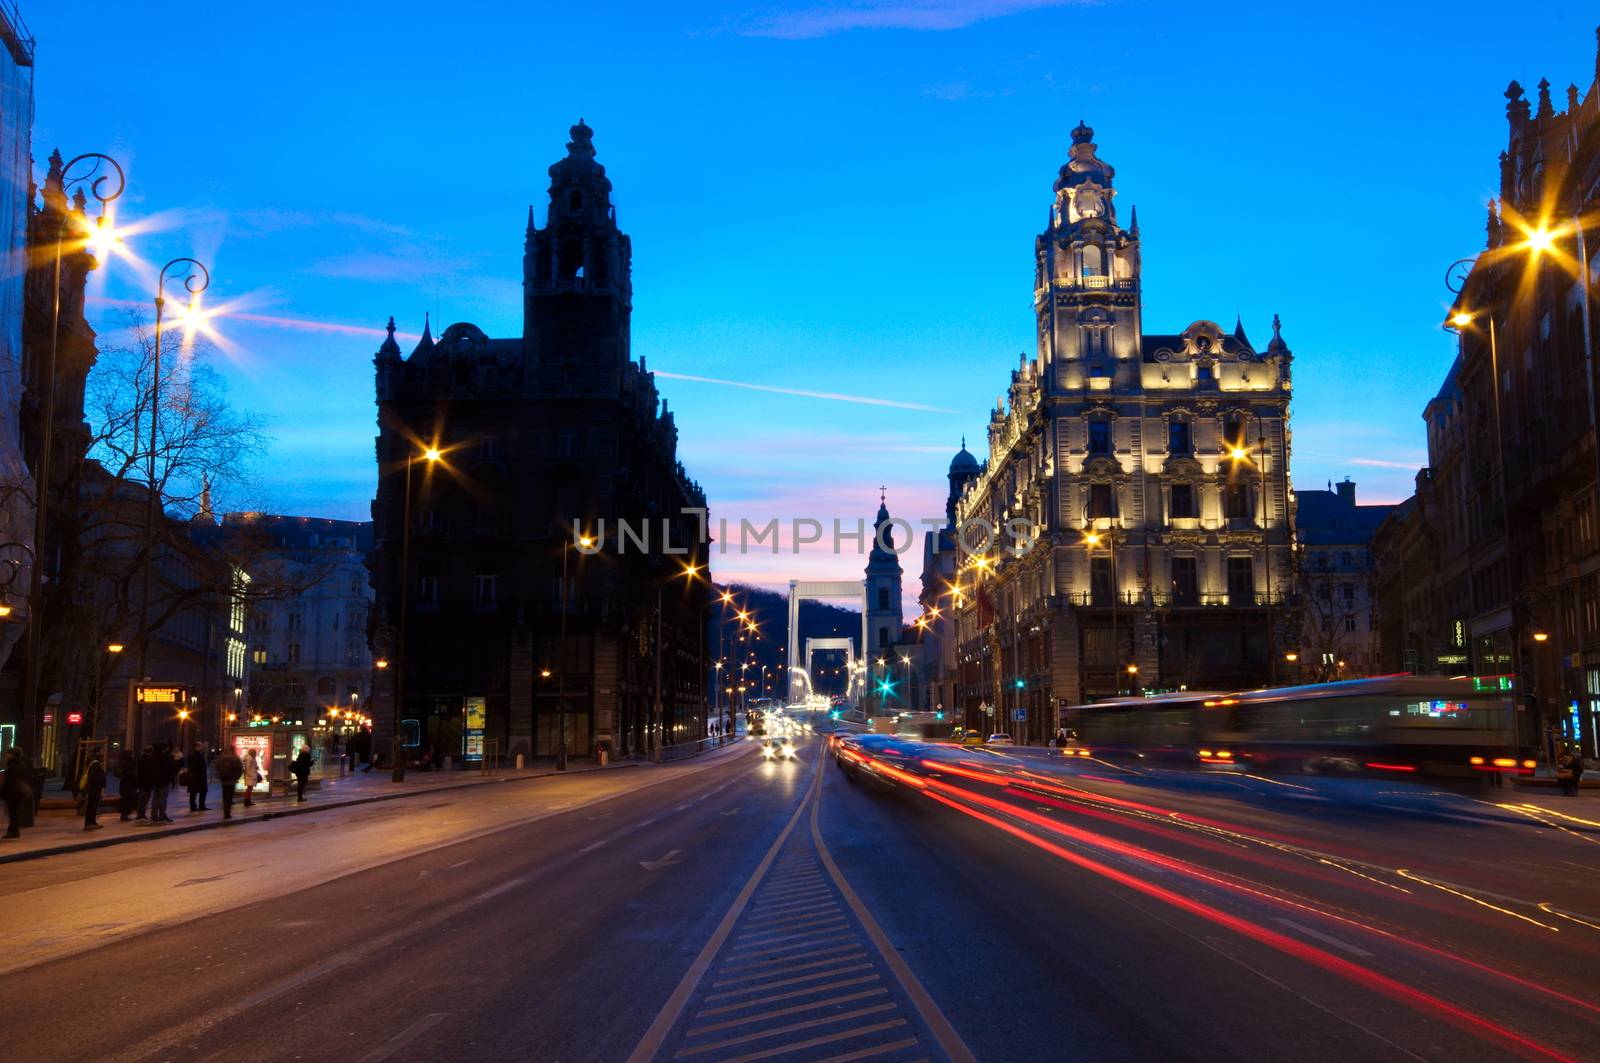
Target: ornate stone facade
pixel 1154 469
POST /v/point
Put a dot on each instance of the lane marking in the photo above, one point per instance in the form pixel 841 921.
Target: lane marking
pixel 786 959
pixel 763 950
pixel 793 1009
pixel 875 1050
pixel 656 1035
pixel 403 1038
pixel 1326 939
pixel 509 884
pixel 791 933
pixel 932 1017
pixel 793 1027
pixel 813 1042
pixel 592 846
pixel 744 979
pixel 828 987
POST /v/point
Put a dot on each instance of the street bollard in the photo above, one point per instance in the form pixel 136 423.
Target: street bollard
pixel 519 761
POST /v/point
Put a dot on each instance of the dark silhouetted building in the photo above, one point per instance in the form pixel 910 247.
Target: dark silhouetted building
pixel 540 434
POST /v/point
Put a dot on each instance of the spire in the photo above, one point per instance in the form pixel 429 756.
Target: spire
pixel 425 344
pixel 205 514
pixel 1572 99
pixel 390 348
pixel 1133 221
pixel 1545 109
pixel 1492 227
pixel 1516 105
pixel 1276 345
pixel 532 228
pixel 55 192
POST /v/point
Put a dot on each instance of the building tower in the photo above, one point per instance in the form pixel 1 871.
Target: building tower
pixel 577 280
pixel 1086 277
pixel 883 586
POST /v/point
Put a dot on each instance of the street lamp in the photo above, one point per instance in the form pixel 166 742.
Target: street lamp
pixel 1239 453
pixel 689 572
pixel 196 279
pixel 1092 539
pixel 585 542
pixel 106 182
pixel 430 455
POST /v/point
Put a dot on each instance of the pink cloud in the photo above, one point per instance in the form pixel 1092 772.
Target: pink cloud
pixel 936 15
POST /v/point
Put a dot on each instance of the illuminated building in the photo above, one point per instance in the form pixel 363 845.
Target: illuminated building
pixel 308 649
pixel 556 429
pixel 1155 470
pixel 1509 497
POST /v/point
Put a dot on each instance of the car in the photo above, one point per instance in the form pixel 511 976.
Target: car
pixel 778 748
pixel 973 739
pixel 1000 740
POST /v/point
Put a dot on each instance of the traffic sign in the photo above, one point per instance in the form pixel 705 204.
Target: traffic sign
pixel 1019 714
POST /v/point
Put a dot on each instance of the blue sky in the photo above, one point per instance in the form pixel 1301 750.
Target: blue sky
pixel 825 197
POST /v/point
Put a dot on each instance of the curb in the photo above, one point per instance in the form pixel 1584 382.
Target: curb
pixel 296 810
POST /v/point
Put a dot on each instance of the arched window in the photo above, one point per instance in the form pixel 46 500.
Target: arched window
pixel 1093 261
pixel 575 200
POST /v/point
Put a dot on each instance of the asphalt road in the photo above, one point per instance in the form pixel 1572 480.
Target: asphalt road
pixel 731 909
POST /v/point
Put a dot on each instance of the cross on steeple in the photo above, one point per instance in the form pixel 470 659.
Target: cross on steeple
pixel 883 493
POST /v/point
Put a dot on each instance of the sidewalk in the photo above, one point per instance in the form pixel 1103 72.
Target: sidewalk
pixel 61 830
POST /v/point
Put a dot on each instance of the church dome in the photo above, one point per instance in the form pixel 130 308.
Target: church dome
pixel 963 461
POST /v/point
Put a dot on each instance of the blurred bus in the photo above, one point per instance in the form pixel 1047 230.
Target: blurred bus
pixel 1391 726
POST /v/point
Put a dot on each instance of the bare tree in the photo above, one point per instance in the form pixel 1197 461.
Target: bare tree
pixel 204 452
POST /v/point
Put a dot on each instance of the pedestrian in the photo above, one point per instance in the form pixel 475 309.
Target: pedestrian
pixel 94 784
pixel 1569 771
pixel 149 773
pixel 17 792
pixel 194 767
pixel 167 762
pixel 127 784
pixel 367 758
pixel 301 767
pixel 252 775
pixel 229 769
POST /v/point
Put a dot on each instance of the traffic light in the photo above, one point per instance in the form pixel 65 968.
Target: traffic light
pixel 1021 683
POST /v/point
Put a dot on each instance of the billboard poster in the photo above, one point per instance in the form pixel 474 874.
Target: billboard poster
pixel 259 743
pixel 476 719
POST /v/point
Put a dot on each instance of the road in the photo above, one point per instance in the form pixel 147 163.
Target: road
pixel 1005 906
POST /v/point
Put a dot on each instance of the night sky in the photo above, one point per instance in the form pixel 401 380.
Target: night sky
pixel 838 198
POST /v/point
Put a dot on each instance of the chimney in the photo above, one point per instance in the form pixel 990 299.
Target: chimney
pixel 1347 492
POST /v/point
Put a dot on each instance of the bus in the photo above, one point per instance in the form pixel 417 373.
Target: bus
pixel 1390 726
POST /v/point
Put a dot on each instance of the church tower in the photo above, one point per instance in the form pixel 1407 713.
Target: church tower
pixel 1086 278
pixel 577 279
pixel 883 586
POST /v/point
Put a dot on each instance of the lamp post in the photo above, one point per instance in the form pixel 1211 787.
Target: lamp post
pixel 106 182
pixel 429 455
pixel 1092 539
pixel 1456 277
pixel 585 541
pixel 1241 453
pixel 196 279
pixel 689 571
